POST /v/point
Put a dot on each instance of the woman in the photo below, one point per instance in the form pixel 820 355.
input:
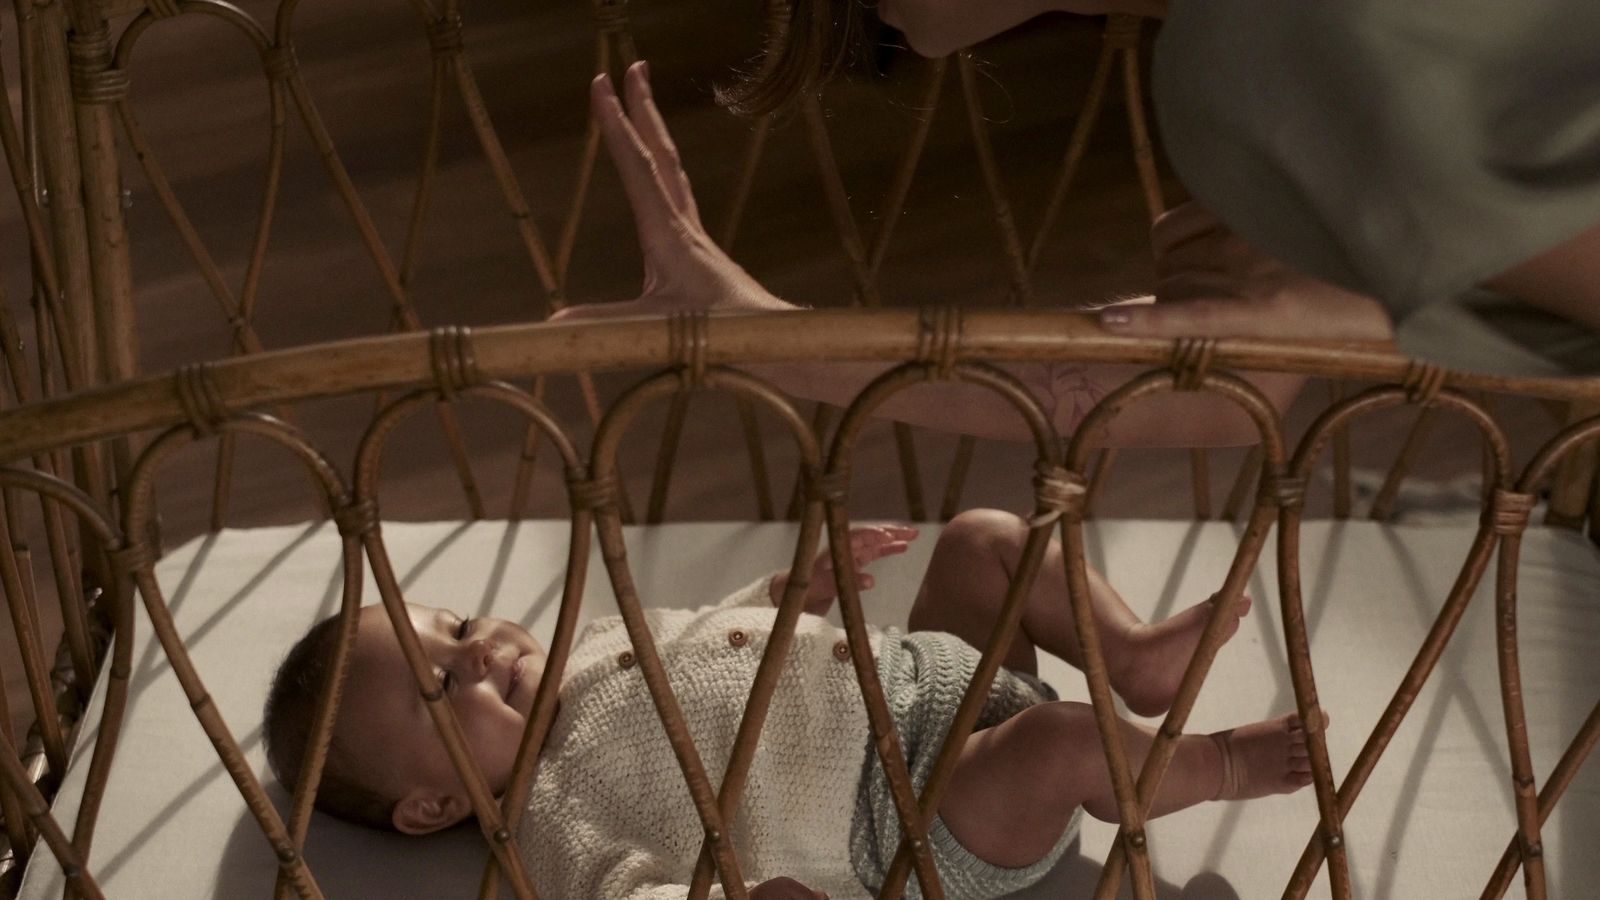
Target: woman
pixel 685 270
pixel 1443 158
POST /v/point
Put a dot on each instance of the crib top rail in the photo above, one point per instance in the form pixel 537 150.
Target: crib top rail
pixel 518 351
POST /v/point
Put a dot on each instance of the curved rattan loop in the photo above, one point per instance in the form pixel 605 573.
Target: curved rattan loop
pixel 542 716
pixel 238 310
pixel 916 812
pixel 1533 805
pixel 67 494
pixel 714 806
pixel 1340 415
pixel 202 402
pixel 109 728
pixel 137 516
pixel 939 338
pixel 454 367
pixel 1335 801
pixel 1423 382
pixel 94 78
pixel 444 35
pixel 369 456
pixel 1191 360
pixel 219 9
pixel 1240 392
pixel 1544 463
pixel 687 336
pixel 1134 799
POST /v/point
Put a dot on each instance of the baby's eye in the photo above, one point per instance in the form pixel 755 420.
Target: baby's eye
pixel 461 630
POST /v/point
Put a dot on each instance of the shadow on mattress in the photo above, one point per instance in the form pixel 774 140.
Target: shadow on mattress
pixel 358 862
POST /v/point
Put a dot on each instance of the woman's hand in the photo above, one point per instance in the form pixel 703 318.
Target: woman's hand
pixel 785 889
pixel 1212 283
pixel 867 545
pixel 683 268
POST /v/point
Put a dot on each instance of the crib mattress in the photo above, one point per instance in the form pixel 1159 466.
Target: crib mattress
pixel 1431 822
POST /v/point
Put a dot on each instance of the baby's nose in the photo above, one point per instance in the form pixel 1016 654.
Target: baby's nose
pixel 480 654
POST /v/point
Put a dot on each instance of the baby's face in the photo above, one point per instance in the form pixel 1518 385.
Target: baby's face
pixel 489 669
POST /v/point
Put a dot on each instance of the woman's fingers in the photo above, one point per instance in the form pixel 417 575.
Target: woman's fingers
pixel 652 129
pixel 1184 224
pixel 653 210
pixel 1205 317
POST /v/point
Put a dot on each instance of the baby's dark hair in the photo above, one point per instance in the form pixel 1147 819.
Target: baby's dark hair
pixel 346 789
pixel 807 41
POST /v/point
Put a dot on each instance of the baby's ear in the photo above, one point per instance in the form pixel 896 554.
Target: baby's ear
pixel 424 811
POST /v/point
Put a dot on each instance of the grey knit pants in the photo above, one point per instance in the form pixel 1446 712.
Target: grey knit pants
pixel 924 675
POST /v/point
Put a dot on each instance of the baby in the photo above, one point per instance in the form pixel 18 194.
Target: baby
pixel 609 816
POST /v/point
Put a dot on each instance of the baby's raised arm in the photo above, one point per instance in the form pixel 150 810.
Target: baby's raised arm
pixel 867 545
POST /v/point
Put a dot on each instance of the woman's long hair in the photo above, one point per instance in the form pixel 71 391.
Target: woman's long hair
pixel 807 41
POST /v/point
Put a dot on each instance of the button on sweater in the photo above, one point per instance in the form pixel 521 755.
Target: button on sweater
pixel 609 816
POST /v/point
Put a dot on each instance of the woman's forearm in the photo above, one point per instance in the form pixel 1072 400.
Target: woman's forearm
pixel 1066 392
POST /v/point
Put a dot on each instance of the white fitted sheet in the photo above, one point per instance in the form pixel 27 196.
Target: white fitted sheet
pixel 1431 822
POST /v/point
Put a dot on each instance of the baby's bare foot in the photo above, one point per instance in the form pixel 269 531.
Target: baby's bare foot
pixel 1263 758
pixel 1157 655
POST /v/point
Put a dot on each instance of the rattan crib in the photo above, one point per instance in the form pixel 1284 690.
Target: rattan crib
pixel 114 431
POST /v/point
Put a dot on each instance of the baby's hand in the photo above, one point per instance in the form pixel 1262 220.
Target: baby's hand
pixel 785 889
pixel 866 546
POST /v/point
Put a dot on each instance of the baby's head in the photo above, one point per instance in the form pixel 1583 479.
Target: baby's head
pixel 387 766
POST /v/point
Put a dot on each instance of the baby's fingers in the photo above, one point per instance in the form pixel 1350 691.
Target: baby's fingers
pixel 881 534
pixel 864 582
pixel 868 544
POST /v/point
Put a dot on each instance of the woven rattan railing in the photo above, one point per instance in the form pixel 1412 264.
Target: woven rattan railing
pixel 208 401
pixel 78 114
pixel 87 453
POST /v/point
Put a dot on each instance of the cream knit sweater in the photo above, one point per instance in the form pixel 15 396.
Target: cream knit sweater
pixel 609 816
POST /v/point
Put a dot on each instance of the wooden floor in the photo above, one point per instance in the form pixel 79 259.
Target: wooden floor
pixel 199 98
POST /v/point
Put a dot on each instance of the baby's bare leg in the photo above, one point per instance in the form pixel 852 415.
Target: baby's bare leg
pixel 966 584
pixel 1017 783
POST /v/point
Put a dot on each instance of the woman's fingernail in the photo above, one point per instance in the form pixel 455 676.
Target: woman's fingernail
pixel 1115 319
pixel 644 69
